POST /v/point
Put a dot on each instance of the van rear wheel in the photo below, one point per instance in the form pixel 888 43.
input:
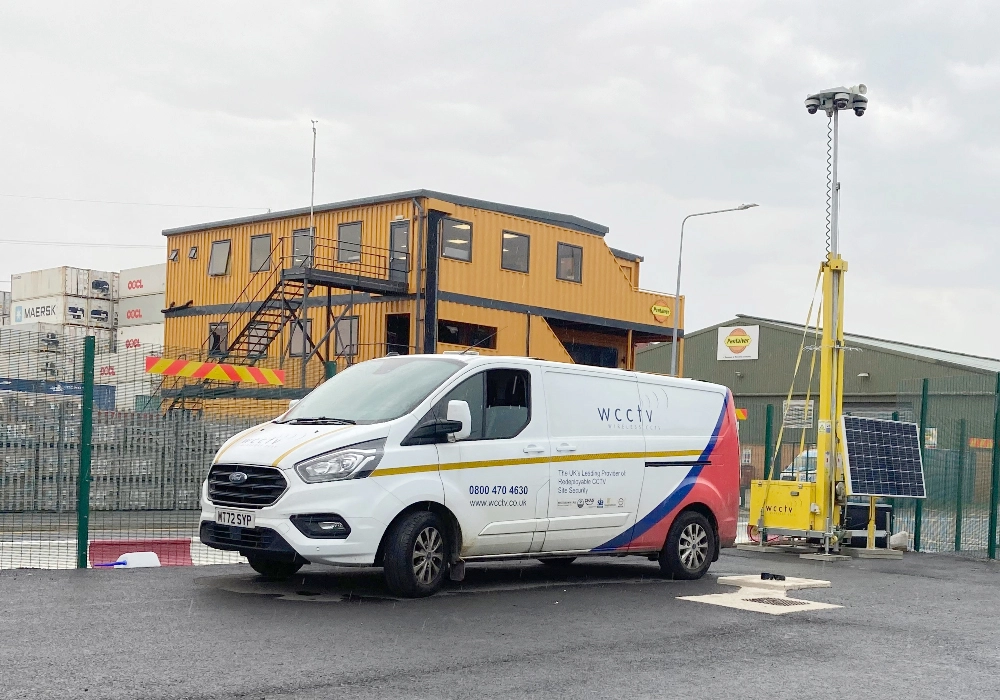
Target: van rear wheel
pixel 690 547
pixel 272 569
pixel 416 555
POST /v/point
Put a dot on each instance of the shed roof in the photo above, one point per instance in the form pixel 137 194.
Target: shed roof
pixel 625 255
pixel 975 362
pixel 547 217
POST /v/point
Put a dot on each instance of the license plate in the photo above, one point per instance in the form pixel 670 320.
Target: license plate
pixel 238 518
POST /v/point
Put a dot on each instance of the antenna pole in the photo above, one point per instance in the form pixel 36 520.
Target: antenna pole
pixel 312 190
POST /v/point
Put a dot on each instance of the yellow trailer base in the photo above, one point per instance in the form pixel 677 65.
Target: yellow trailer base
pixel 788 505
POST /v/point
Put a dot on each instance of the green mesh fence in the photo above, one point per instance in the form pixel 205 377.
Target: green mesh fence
pixel 152 441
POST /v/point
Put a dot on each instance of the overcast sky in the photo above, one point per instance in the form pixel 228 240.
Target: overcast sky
pixel 628 114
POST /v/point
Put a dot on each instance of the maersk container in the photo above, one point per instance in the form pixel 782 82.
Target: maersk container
pixel 63 311
pixel 64 281
pixel 139 311
pixel 142 281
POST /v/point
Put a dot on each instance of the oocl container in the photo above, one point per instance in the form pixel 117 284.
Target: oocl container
pixel 140 281
pixel 139 311
pixel 148 338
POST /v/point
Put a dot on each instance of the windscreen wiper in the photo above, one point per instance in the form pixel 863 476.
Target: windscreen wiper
pixel 321 420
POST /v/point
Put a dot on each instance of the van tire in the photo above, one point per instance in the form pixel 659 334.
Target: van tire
pixel 557 561
pixel 690 547
pixel 416 555
pixel 272 569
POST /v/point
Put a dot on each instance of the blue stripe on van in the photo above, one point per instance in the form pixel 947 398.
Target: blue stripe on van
pixel 673 500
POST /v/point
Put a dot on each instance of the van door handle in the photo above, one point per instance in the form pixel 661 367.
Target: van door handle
pixel 533 449
pixel 566 447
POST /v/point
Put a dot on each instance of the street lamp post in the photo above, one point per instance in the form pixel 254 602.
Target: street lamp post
pixel 677 296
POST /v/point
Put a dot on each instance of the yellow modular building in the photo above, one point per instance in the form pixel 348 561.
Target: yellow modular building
pixel 410 272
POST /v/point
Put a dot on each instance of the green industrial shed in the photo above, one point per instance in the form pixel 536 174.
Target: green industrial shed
pixel 755 357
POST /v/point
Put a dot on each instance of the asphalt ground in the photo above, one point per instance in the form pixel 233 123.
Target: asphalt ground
pixel 925 627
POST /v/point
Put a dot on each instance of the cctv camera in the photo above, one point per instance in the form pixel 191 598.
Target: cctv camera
pixel 841 100
pixel 860 104
pixel 812 104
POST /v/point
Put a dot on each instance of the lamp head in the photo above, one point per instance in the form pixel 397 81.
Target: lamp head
pixel 745 206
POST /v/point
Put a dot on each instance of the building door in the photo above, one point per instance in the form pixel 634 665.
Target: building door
pixel 302 248
pixel 397 334
pixel 399 250
pixel 496 481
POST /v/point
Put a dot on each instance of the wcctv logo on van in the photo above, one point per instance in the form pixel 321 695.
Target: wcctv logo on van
pixel 738 343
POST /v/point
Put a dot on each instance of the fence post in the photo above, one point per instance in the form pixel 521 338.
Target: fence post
pixel 918 511
pixel 86 438
pixel 961 484
pixel 991 543
pixel 768 439
pixel 892 501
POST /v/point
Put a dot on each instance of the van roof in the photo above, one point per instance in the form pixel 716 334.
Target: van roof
pixel 471 359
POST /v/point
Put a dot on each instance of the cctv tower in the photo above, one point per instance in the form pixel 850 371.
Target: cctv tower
pixel 815 511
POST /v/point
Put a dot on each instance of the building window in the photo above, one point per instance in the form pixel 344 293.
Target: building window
pixel 467 334
pixel 349 242
pixel 218 339
pixel 218 258
pixel 569 262
pixel 300 344
pixel 302 247
pixel 347 336
pixel 456 240
pixel 258 338
pixel 514 250
pixel 193 252
pixel 174 254
pixel 260 253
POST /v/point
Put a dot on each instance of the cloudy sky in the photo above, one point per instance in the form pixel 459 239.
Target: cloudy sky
pixel 628 114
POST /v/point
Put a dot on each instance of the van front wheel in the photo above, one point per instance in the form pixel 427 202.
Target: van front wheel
pixel 690 547
pixel 416 555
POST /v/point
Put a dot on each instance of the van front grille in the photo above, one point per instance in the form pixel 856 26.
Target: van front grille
pixel 261 487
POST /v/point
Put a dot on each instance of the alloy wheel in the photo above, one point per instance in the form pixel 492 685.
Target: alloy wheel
pixel 428 555
pixel 693 546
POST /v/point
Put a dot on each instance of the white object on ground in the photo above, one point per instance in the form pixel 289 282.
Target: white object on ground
pixel 137 560
pixel 900 541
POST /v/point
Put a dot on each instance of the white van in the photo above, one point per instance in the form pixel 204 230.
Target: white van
pixel 421 463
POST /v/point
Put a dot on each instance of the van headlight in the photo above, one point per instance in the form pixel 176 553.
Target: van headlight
pixel 344 463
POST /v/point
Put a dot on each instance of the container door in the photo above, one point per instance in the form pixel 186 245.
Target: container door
pixel 496 480
pixel 595 429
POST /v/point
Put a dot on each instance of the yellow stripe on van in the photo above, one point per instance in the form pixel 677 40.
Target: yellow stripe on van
pixel 447 466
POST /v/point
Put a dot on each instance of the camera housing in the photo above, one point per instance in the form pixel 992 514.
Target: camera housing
pixel 812 105
pixel 860 104
pixel 841 100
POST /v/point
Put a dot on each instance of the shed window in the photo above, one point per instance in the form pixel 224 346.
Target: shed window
pixel 347 336
pixel 468 334
pixel 301 340
pixel 456 240
pixel 218 260
pixel 218 339
pixel 569 263
pixel 514 248
pixel 174 254
pixel 260 253
pixel 193 252
pixel 349 242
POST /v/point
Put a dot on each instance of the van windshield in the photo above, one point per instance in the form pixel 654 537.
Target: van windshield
pixel 375 391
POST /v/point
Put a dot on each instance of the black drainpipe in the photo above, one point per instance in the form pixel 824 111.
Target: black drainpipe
pixel 431 285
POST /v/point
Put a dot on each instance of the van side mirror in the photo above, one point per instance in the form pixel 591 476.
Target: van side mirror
pixel 458 412
pixel 437 430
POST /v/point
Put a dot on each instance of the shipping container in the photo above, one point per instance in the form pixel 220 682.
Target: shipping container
pixel 64 310
pixel 4 303
pixel 74 336
pixel 64 281
pixel 141 310
pixel 52 338
pixel 148 338
pixel 141 281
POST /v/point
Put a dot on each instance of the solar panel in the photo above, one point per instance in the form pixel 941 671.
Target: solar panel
pixel 883 458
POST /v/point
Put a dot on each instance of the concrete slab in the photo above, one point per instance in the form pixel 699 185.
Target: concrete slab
pixel 819 556
pixel 769 601
pixel 865 553
pixel 791 583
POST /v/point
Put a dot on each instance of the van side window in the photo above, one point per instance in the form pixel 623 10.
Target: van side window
pixel 498 400
pixel 506 403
